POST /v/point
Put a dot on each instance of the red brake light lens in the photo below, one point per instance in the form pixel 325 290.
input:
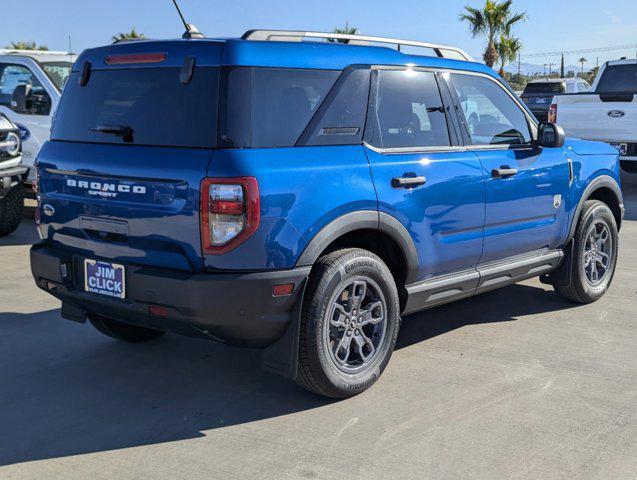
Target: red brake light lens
pixel 553 113
pixel 230 212
pixel 126 58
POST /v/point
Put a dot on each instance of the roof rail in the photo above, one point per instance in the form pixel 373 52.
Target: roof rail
pixel 443 51
pixel 14 51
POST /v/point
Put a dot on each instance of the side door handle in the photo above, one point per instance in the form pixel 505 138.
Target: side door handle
pixel 504 172
pixel 407 182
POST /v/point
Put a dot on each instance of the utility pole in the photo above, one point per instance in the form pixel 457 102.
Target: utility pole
pixel 519 65
pixel 550 68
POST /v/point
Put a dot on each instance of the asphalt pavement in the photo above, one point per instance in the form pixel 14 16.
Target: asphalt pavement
pixel 512 384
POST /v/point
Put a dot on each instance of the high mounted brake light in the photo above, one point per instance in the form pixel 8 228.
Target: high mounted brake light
pixel 230 212
pixel 126 58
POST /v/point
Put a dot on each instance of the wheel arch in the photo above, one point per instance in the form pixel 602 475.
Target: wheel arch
pixel 379 232
pixel 606 189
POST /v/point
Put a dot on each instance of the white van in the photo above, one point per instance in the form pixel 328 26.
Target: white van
pixel 31 82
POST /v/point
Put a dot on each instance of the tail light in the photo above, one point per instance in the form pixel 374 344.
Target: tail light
pixel 553 113
pixel 230 212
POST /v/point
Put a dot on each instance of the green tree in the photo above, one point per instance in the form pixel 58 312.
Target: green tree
pixel 347 31
pixel 582 61
pixel 26 46
pixel 507 48
pixel 495 18
pixel 132 35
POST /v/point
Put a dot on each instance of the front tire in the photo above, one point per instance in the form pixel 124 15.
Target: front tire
pixel 595 254
pixel 11 210
pixel 349 324
pixel 124 331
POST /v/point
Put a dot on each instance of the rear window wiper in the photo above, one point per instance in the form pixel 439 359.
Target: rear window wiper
pixel 123 131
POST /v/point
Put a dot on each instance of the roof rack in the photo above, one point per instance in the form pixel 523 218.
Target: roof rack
pixel 443 51
pixel 14 51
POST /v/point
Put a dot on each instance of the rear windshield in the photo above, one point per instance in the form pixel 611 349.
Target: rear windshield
pixel 269 107
pixel 545 87
pixel 619 79
pixel 141 106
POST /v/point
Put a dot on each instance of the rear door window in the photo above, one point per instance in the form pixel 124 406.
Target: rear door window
pixel 545 87
pixel 408 111
pixel 270 107
pixel 151 103
pixel 618 79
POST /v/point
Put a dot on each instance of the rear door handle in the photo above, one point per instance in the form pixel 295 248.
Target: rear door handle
pixel 407 182
pixel 503 172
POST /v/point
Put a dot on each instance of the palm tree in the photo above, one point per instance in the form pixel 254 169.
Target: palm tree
pixel 582 61
pixel 132 35
pixel 494 19
pixel 347 31
pixel 508 48
pixel 26 46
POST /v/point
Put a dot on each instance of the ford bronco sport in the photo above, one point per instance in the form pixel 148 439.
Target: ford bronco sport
pixel 288 193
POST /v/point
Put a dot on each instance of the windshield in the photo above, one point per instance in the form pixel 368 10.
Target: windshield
pixel 618 79
pixel 140 106
pixel 545 87
pixel 58 72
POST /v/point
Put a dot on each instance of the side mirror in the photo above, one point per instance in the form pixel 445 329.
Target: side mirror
pixel 550 135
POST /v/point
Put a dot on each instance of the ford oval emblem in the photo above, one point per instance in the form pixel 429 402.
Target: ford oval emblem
pixel 616 114
pixel 48 210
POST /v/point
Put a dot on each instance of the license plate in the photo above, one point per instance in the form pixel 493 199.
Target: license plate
pixel 104 278
pixel 622 148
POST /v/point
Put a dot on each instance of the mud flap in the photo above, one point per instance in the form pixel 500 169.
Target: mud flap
pixel 282 357
pixel 562 276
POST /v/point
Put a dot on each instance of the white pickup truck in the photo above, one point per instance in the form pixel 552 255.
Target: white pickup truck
pixel 608 114
pixel 31 83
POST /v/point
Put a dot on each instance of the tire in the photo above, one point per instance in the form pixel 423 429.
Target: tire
pixel 585 287
pixel 342 358
pixel 11 210
pixel 124 331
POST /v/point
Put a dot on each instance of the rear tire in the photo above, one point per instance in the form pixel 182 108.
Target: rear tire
pixel 11 210
pixel 595 254
pixel 124 331
pixel 349 324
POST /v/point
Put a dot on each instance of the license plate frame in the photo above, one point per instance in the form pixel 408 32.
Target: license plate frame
pixel 621 147
pixel 105 278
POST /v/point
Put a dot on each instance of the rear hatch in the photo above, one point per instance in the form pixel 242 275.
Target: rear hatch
pixel 130 145
pixel 538 96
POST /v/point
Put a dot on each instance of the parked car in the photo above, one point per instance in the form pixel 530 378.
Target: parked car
pixel 609 114
pixel 538 94
pixel 12 175
pixel 300 196
pixel 31 82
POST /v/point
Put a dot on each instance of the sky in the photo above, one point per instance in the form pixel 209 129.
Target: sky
pixel 552 25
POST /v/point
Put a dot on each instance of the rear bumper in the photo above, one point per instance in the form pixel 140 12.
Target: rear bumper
pixel 234 308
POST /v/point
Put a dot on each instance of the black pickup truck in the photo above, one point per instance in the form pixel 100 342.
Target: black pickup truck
pixel 12 175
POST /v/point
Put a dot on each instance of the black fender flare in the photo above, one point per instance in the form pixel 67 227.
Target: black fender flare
pixel 364 220
pixel 603 181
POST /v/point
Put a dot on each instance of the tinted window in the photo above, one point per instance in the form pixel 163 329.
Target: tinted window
pixel 37 101
pixel 157 107
pixel 545 87
pixel 618 78
pixel 409 111
pixel 270 107
pixel 490 114
pixel 341 118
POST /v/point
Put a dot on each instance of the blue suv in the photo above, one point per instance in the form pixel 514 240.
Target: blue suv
pixel 298 192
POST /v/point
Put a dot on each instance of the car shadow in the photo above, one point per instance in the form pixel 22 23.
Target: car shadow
pixel 26 234
pixel 68 390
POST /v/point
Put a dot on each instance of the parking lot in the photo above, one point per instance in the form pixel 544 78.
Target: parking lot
pixel 515 383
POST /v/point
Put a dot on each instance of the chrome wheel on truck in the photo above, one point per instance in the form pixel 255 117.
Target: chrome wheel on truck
pixel 349 323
